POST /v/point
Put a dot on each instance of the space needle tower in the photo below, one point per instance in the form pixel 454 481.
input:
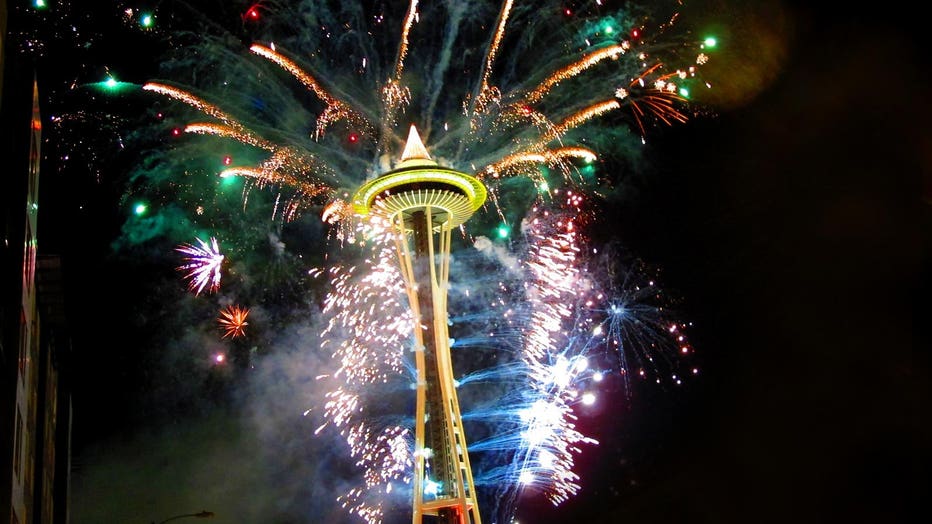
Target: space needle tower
pixel 424 203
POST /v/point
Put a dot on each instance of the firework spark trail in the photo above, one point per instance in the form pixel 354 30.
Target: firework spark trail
pixel 336 109
pixel 276 170
pixel 513 118
pixel 660 104
pixel 485 96
pixel 195 102
pixel 284 168
pixel 496 42
pixel 236 133
pixel 579 118
pixel 266 175
pixel 403 45
pixel 551 158
pixel 574 69
pixel 288 65
pixel 396 95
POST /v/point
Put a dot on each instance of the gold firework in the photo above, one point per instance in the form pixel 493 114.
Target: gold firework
pixel 233 321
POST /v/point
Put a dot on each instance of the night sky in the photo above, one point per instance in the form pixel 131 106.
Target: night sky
pixel 794 222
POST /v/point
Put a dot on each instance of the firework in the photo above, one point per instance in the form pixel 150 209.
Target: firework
pixel 634 320
pixel 548 103
pixel 202 265
pixel 233 321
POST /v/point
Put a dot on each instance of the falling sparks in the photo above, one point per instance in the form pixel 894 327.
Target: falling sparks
pixel 551 434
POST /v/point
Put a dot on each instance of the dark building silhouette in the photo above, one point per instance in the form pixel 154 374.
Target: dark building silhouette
pixel 35 406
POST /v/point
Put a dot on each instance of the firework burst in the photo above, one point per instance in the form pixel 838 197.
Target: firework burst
pixel 202 265
pixel 232 321
pixel 533 113
pixel 634 320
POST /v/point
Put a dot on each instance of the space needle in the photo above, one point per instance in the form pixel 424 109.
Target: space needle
pixel 424 202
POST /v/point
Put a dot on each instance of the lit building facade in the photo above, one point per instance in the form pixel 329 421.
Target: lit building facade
pixel 34 343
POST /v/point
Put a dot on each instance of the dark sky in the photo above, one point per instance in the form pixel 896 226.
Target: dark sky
pixel 803 250
pixel 796 224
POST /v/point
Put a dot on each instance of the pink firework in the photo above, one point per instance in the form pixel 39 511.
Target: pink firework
pixel 202 265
